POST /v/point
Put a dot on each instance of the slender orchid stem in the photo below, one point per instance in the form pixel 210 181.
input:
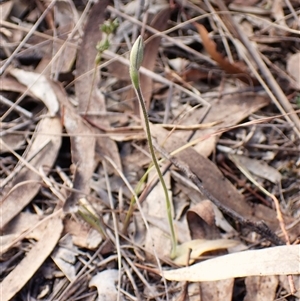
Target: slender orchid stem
pixel 136 58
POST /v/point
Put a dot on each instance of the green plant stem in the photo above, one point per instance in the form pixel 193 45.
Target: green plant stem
pixel 132 201
pixel 151 148
pixel 92 220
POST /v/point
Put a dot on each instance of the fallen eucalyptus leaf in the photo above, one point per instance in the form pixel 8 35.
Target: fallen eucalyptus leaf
pixel 200 246
pixel 282 260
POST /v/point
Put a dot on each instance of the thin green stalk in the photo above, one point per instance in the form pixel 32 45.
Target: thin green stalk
pixel 91 218
pixel 132 201
pixel 151 148
pixel 136 58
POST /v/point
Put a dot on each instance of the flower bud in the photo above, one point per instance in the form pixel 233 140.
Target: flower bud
pixel 136 58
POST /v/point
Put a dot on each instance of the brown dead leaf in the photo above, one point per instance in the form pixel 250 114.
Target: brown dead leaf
pixel 25 185
pixel 211 47
pixel 20 224
pixel 84 144
pixel 64 257
pixel 119 71
pixel 151 51
pixel 5 9
pixel 202 224
pixel 11 84
pixel 182 231
pixel 43 48
pixel 293 67
pixel 258 168
pixel 155 205
pixel 277 13
pixel 86 92
pixel 64 62
pixel 83 157
pixel 83 235
pixel 105 282
pixel 261 288
pixel 14 141
pixel 40 86
pixel 201 221
pixel 224 112
pixel 221 290
pixel 82 150
pixel 228 111
pixel 193 75
pixel 89 97
pixel 23 272
pixel 214 181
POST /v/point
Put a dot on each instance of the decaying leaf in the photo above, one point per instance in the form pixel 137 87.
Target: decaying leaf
pixel 16 227
pixel 64 257
pixel 194 248
pixel 49 156
pixel 83 235
pixel 25 185
pixel 214 181
pixel 202 222
pixel 85 86
pixel 221 290
pixel 259 168
pixel 293 69
pixel 90 98
pixel 155 205
pixel 203 219
pixel 106 285
pixel 5 9
pixel 151 51
pixel 38 84
pixel 24 271
pixel 83 156
pixel 261 288
pixel 211 48
pixel 224 112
